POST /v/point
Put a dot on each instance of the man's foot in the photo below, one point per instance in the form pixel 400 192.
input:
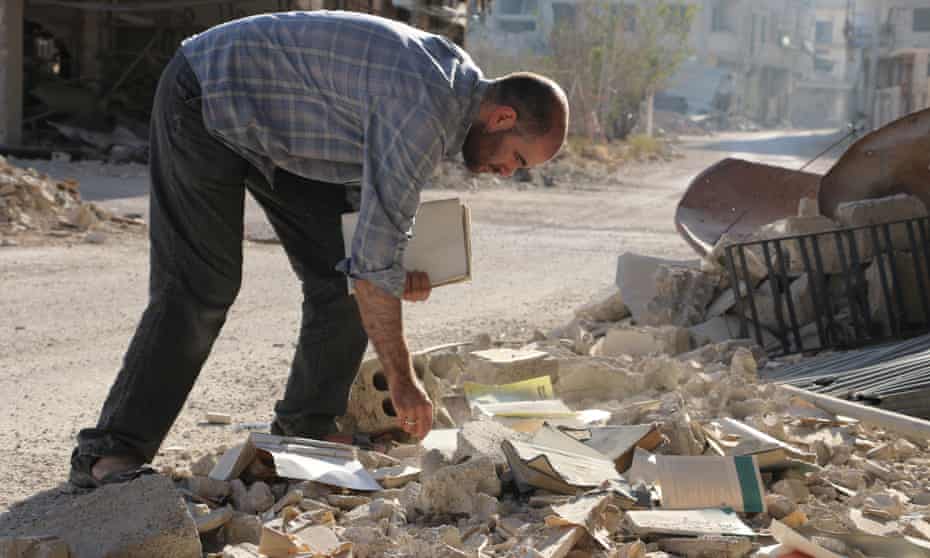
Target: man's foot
pixel 109 465
pixel 92 472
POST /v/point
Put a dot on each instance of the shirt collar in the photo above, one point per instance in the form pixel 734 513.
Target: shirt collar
pixel 470 114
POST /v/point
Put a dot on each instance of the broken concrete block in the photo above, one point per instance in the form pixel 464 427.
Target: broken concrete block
pixel 213 520
pixel 143 518
pixel 716 330
pixel 779 506
pixel 210 489
pixel 791 249
pixel 504 366
pixel 682 297
pixel 239 496
pixel 606 307
pixel 259 497
pixel 801 299
pixel 908 287
pixel 218 418
pixel 881 210
pixel 637 282
pixel 595 378
pixel 33 547
pixel 707 545
pixel 348 501
pixel 203 466
pixel 454 489
pixel 664 373
pixel 793 489
pixel 744 364
pixel 243 528
pixel 482 438
pixel 643 341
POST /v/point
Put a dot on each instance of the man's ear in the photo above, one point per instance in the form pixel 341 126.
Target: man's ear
pixel 501 119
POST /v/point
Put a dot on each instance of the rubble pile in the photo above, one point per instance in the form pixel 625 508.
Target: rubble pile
pixel 34 205
pixel 667 453
pixel 666 305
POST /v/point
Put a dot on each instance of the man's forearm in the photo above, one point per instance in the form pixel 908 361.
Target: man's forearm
pixel 383 321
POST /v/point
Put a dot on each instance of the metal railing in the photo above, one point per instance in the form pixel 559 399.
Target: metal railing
pixel 843 317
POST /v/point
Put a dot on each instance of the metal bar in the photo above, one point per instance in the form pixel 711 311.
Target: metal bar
pixel 815 277
pixel 918 272
pixel 897 288
pixel 776 298
pixel 818 261
pixel 883 279
pixel 789 295
pixel 862 300
pixel 740 305
pixel 850 291
pixel 752 297
pixel 922 225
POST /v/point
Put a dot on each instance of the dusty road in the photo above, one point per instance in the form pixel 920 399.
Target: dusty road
pixel 66 313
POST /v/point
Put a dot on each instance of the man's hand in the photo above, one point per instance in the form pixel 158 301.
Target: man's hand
pixel 413 406
pixel 382 318
pixel 418 286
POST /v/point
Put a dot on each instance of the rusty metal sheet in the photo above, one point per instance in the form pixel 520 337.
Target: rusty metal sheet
pixel 739 196
pixel 894 159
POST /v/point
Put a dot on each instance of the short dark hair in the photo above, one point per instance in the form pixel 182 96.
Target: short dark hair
pixel 539 102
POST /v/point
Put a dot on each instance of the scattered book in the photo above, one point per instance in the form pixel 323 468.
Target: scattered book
pixel 687 523
pixel 298 458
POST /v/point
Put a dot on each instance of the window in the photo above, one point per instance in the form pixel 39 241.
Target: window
pixel 564 14
pixel 824 32
pixel 517 26
pixel 921 19
pixel 517 7
pixel 718 18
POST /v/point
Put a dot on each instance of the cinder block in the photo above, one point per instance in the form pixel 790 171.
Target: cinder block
pixel 881 210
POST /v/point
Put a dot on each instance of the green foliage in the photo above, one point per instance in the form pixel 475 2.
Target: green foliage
pixel 615 53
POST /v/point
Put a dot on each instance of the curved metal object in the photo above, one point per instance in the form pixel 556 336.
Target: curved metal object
pixel 894 159
pixel 738 196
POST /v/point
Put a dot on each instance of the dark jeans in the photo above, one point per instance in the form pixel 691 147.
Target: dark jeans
pixel 197 203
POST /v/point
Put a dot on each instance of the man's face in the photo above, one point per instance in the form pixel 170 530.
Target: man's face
pixel 501 152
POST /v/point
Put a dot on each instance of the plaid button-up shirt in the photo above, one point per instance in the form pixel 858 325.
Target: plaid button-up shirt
pixel 343 98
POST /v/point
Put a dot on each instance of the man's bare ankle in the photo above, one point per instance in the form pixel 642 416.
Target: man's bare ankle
pixel 113 464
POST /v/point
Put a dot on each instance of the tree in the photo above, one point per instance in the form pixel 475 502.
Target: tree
pixel 614 53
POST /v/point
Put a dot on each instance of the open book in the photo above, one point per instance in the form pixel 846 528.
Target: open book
pixel 441 243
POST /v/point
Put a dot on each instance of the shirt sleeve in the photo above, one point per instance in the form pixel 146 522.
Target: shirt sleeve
pixel 403 145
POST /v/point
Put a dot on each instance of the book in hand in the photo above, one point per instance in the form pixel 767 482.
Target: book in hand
pixel 441 242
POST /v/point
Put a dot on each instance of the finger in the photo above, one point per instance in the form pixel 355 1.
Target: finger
pixel 423 286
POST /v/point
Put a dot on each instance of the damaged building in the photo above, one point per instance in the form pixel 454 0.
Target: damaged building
pixel 74 74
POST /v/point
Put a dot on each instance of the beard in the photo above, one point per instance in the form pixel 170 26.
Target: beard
pixel 480 146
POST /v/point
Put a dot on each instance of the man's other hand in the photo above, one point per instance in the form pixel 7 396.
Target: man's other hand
pixel 418 287
pixel 413 406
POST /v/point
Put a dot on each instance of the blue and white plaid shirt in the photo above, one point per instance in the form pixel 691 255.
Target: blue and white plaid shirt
pixel 344 98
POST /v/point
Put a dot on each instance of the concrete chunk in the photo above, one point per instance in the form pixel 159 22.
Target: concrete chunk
pixel 909 289
pixel 143 518
pixel 801 299
pixel 33 547
pixel 482 438
pixel 607 307
pixel 455 489
pixel 243 528
pixel 642 341
pixel 682 296
pixel 593 378
pixel 791 249
pixel 881 210
pixel 637 283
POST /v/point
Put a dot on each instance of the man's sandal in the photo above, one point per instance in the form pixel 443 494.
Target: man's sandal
pixel 82 475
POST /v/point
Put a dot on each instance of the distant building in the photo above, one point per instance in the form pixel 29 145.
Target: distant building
pixel 825 98
pixel 893 37
pixel 762 49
